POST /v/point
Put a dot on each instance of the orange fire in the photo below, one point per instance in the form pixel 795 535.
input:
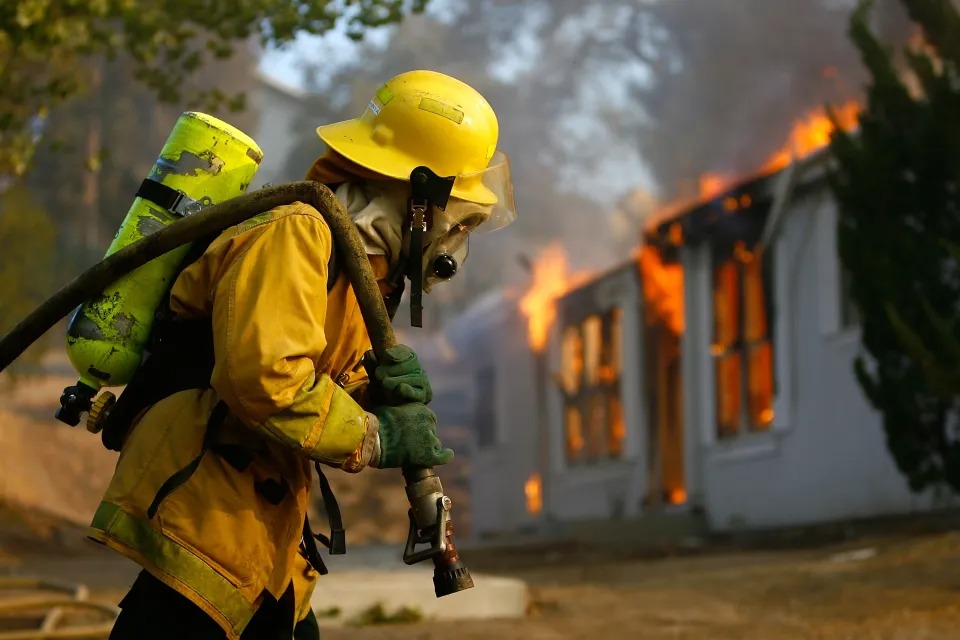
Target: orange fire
pixel 808 135
pixel 662 288
pixel 663 285
pixel 712 185
pixel 533 488
pixel 811 134
pixel 551 279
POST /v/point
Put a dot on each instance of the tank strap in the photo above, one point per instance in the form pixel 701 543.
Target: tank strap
pixel 337 542
pixel 308 544
pixel 173 200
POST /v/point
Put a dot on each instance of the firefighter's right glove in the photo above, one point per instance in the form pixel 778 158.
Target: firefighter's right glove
pixel 408 438
pixel 398 379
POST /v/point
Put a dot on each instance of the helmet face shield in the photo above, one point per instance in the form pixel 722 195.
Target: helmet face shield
pixel 450 250
pixel 448 240
pixel 489 208
pixel 491 191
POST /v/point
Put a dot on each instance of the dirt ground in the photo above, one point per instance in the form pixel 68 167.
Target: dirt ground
pixel 908 590
pixel 896 587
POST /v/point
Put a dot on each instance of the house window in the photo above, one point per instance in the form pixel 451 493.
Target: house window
pixel 589 380
pixel 742 346
pixel 484 412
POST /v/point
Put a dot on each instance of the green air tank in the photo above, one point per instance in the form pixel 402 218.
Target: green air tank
pixel 207 161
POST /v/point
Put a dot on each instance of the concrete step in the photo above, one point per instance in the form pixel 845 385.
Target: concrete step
pixel 342 597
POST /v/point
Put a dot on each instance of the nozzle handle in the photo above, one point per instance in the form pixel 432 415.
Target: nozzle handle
pixel 430 523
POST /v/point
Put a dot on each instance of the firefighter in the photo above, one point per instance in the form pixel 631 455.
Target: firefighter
pixel 211 489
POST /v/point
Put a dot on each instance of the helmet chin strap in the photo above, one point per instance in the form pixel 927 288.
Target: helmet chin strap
pixel 427 190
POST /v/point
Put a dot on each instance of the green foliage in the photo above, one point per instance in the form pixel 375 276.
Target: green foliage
pixel 98 147
pixel 896 182
pixel 27 237
pixel 377 615
pixel 44 44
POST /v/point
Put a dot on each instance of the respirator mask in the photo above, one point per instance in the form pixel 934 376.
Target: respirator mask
pixel 442 212
pixel 448 240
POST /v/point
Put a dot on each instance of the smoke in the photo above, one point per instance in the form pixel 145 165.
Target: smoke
pixel 607 109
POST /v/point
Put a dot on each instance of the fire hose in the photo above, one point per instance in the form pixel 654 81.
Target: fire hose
pixel 55 607
pixel 429 513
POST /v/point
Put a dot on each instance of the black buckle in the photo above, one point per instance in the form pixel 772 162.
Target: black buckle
pixel 173 200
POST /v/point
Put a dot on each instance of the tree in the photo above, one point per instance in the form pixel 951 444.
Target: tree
pixel 99 146
pixel 44 44
pixel 26 272
pixel 896 183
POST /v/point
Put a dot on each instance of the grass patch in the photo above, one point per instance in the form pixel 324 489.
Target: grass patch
pixel 378 615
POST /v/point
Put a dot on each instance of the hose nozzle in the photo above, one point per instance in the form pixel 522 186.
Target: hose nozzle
pixel 430 523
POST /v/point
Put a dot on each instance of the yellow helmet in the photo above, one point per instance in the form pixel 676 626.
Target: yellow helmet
pixel 426 118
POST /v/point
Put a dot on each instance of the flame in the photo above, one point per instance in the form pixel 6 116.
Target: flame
pixel 533 488
pixel 677 496
pixel 812 133
pixel 808 134
pixel 712 185
pixel 551 279
pixel 766 416
pixel 662 288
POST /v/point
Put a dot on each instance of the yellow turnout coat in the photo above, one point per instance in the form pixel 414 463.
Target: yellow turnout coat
pixel 288 356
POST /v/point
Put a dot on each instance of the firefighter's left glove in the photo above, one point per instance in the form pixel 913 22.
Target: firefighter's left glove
pixel 397 380
pixel 408 438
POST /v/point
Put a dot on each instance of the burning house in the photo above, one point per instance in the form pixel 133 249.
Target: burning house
pixel 709 377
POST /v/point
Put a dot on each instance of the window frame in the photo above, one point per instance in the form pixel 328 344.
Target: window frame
pixel 609 390
pixel 838 314
pixel 742 347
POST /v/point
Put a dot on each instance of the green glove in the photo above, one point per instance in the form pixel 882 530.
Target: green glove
pixel 399 379
pixel 408 437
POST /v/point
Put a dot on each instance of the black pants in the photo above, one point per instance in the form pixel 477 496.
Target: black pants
pixel 153 611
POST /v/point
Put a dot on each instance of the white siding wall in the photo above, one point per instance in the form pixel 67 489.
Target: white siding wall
pixel 825 457
pixel 516 419
pixel 494 336
pixel 278 107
